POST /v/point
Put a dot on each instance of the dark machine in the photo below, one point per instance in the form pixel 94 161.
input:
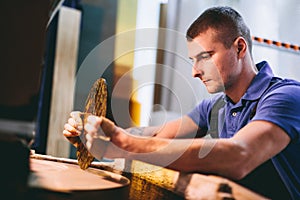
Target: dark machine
pixel 23 39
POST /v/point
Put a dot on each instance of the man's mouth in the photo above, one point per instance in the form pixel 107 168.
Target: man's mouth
pixel 205 81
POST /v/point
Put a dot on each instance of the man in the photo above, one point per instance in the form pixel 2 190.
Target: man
pixel 261 115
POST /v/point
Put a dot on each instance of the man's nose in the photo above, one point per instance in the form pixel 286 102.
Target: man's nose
pixel 197 70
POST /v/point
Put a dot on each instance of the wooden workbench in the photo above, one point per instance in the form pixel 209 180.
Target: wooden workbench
pixel 153 182
pixel 157 183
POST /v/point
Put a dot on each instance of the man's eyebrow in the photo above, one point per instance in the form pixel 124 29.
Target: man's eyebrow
pixel 201 54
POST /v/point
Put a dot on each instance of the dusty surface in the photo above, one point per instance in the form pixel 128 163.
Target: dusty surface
pixel 59 176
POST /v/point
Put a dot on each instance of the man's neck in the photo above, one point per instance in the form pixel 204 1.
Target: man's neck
pixel 236 91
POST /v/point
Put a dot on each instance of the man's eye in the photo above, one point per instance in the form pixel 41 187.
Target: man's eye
pixel 205 56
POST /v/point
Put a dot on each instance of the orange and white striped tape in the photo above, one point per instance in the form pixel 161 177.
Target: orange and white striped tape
pixel 276 43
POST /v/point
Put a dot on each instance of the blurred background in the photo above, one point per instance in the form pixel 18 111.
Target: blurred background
pixel 53 51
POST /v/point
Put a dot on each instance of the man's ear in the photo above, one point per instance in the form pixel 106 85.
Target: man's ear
pixel 241 46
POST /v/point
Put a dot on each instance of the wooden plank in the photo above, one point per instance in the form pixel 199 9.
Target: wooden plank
pixel 169 184
pixel 63 79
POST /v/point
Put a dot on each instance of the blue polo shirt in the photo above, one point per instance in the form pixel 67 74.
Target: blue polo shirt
pixel 268 98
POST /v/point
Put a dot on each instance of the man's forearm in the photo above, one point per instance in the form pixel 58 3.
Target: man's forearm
pixel 219 156
pixel 143 131
pixel 181 128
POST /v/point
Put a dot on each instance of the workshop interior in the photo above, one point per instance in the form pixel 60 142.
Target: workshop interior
pixel 53 51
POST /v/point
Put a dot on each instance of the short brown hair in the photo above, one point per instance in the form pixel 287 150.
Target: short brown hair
pixel 227 23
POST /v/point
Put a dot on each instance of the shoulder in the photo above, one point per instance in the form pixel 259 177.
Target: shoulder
pixel 206 105
pixel 284 90
pixel 281 106
pixel 200 114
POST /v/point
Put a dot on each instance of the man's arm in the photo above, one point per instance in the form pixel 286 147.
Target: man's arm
pixel 233 158
pixel 183 127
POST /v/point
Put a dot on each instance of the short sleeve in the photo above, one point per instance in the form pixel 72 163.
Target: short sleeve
pixel 281 106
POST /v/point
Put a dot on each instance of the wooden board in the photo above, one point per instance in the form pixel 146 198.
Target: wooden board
pixel 59 180
pixel 63 79
pixel 66 177
pixel 169 184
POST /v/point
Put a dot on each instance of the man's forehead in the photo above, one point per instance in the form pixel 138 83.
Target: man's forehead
pixel 194 48
pixel 203 42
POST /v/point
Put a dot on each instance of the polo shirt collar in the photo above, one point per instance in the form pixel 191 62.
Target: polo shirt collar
pixel 260 82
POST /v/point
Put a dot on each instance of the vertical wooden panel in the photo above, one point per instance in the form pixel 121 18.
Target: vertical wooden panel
pixel 63 79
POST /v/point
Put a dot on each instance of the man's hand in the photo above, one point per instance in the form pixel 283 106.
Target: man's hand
pixel 73 128
pixel 94 132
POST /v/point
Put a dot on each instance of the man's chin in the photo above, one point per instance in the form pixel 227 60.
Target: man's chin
pixel 214 90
